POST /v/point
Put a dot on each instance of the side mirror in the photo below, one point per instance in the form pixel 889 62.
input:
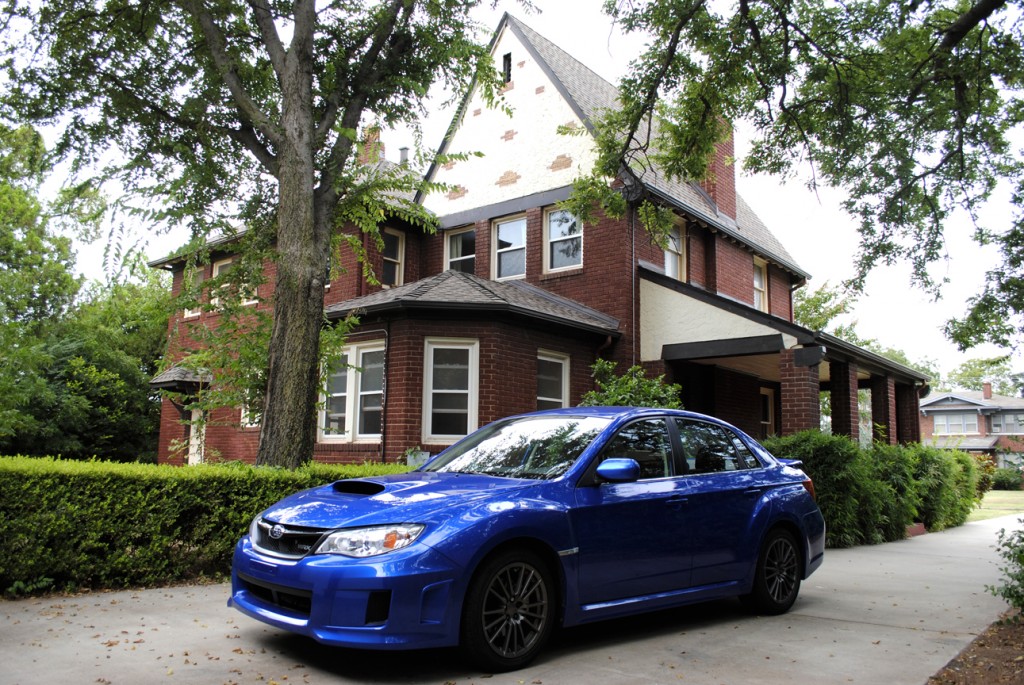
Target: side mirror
pixel 619 470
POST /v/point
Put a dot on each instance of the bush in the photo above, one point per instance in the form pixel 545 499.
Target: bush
pixel 1011 549
pixel 947 482
pixel 1009 478
pixel 70 525
pixel 850 497
pixel 894 469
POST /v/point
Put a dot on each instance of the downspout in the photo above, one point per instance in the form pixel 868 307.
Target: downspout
pixel 632 270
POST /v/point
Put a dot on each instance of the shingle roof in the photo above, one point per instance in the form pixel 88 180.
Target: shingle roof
pixel 970 399
pixel 589 95
pixel 462 292
pixel 178 377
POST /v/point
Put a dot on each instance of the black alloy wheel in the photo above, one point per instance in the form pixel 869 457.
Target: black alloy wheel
pixel 509 611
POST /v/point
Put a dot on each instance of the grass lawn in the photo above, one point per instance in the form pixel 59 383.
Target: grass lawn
pixel 999 503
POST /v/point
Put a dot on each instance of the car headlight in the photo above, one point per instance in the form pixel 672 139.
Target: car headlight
pixel 369 542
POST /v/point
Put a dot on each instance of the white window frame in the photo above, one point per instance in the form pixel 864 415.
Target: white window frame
pixel 248 296
pixel 768 426
pixel 473 392
pixel 448 259
pixel 563 361
pixel 353 397
pixel 550 242
pixel 399 262
pixel 675 252
pixel 496 252
pixel 198 276
pixel 760 293
pixel 965 420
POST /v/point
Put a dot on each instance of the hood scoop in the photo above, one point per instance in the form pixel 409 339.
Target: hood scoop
pixel 364 488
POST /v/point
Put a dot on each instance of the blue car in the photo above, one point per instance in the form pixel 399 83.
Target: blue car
pixel 559 517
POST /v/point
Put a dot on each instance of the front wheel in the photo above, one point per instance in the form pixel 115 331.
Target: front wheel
pixel 508 614
pixel 777 577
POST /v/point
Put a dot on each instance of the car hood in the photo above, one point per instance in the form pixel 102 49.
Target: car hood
pixel 400 498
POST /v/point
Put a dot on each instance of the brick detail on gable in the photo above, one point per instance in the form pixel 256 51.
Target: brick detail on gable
pixel 540 89
pixel 477 112
pixel 508 86
pixel 509 135
pixel 561 162
pixel 448 166
pixel 457 192
pixel 508 178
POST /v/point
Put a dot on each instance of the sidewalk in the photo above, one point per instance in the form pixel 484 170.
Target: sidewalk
pixel 891 614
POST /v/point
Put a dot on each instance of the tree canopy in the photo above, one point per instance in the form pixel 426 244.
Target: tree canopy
pixel 230 115
pixel 911 108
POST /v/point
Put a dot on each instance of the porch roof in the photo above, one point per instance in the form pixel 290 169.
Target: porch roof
pixel 461 292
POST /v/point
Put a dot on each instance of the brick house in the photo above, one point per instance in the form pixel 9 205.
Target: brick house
pixel 507 306
pixel 976 422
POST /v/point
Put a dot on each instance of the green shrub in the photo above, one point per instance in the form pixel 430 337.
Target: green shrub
pixel 70 525
pixel 893 467
pixel 947 482
pixel 1008 478
pixel 1011 549
pixel 850 498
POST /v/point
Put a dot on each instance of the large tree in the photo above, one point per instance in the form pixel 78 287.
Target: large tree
pixel 910 107
pixel 229 113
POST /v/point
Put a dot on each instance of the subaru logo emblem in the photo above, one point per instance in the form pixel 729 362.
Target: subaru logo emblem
pixel 277 532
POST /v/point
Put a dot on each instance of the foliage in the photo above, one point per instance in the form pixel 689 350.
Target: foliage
pixel 93 396
pixel 910 108
pixel 244 115
pixel 871 495
pixel 948 485
pixel 81 525
pixel 1011 549
pixel 974 373
pixel 819 310
pixel 1008 478
pixel 631 389
pixel 36 281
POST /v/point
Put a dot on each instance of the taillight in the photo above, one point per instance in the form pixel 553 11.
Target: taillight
pixel 809 487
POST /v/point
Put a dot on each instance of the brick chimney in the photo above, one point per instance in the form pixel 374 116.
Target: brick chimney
pixel 986 391
pixel 372 149
pixel 720 182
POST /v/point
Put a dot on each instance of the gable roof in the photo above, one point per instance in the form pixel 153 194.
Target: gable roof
pixel 970 400
pixel 588 94
pixel 454 290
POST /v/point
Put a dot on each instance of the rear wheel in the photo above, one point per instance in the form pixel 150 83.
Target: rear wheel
pixel 777 577
pixel 509 611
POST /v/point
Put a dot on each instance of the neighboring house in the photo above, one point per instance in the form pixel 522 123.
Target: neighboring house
pixel 507 306
pixel 976 422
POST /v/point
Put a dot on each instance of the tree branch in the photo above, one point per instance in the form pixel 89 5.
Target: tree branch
pixel 271 40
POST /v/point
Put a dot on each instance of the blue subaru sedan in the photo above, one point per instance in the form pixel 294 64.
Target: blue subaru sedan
pixel 560 517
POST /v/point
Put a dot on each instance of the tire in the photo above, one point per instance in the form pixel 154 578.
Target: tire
pixel 777 576
pixel 509 610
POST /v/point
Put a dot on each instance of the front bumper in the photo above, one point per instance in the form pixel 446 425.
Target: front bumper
pixel 407 599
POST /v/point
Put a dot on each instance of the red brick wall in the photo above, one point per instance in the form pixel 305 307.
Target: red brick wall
pixel 697 267
pixel 883 409
pixel 720 182
pixel 735 271
pixel 845 404
pixel 738 400
pixel 801 406
pixel 780 296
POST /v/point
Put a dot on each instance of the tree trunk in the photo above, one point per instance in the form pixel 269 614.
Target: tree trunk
pixel 288 432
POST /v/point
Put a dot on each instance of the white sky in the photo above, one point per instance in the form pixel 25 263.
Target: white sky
pixel 821 238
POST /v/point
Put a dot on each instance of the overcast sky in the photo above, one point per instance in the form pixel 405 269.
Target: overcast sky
pixel 820 238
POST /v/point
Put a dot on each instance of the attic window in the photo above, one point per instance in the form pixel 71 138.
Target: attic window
pixel 506 68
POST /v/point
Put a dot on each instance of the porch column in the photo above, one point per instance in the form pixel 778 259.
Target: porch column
pixel 883 409
pixel 845 405
pixel 801 406
pixel 908 413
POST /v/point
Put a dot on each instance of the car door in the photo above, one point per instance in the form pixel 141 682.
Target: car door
pixel 723 489
pixel 629 535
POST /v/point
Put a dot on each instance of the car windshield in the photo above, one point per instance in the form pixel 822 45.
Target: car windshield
pixel 530 447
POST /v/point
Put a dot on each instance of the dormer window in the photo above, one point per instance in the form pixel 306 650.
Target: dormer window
pixel 393 258
pixel 675 253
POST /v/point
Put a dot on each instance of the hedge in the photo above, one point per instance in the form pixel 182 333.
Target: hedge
pixel 868 496
pixel 70 525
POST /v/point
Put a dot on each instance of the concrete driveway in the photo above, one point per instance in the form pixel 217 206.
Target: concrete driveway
pixel 891 614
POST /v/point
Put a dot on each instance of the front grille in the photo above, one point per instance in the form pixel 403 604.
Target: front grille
pixel 298 601
pixel 290 542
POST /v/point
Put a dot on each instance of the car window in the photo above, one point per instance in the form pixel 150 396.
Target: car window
pixel 708 448
pixel 648 443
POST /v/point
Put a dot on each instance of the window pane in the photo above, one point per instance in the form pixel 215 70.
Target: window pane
pixel 549 383
pixel 449 424
pixel 462 245
pixel 451 402
pixel 512 263
pixel 512 234
pixel 562 224
pixel 451 369
pixel 566 253
pixel 372 376
pixel 710 449
pixel 389 273
pixel 647 442
pixel 466 265
pixel 392 245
